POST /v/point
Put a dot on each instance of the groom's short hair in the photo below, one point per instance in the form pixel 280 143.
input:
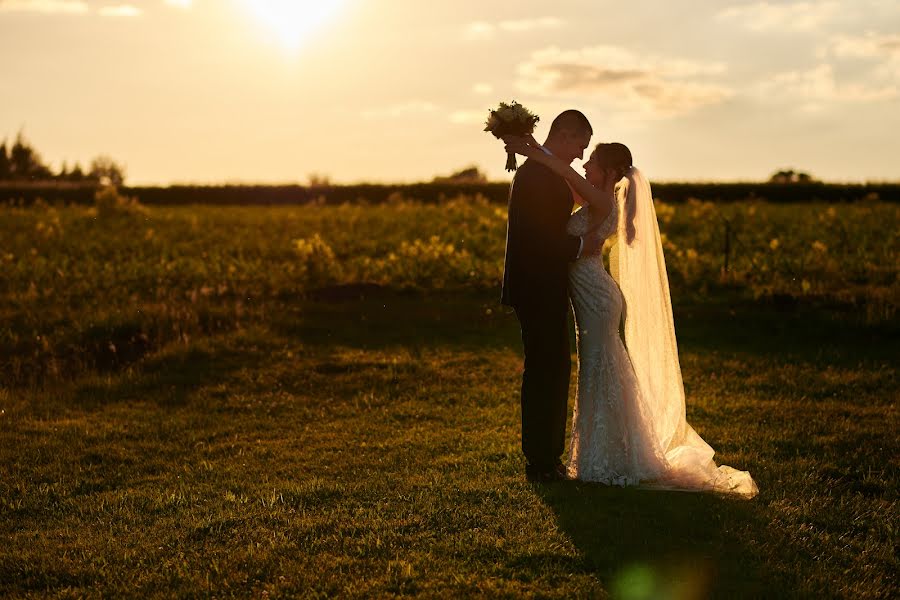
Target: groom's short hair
pixel 571 120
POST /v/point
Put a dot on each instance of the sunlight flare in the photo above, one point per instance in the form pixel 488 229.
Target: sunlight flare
pixel 292 21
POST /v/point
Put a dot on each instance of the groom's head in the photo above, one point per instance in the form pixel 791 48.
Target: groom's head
pixel 570 135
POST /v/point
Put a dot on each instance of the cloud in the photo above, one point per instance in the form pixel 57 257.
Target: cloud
pixel 469 117
pixel 77 7
pixel 650 85
pixel 482 30
pixel 816 89
pixel 479 30
pixel 401 110
pixel 423 108
pixel 71 7
pixel 791 16
pixel 482 88
pixel 179 3
pixel 869 45
pixel 531 24
pixel 121 10
pixel 871 59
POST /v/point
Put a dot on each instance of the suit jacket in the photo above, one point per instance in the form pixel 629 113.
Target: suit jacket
pixel 538 249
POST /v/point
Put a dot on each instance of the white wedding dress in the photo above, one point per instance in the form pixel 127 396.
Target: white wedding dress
pixel 629 424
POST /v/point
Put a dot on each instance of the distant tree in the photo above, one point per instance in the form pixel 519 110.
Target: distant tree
pixel 22 162
pixel 318 180
pixel 106 171
pixel 4 162
pixel 76 174
pixel 25 162
pixel 468 175
pixel 791 176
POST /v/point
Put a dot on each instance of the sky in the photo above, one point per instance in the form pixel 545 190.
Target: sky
pixel 272 91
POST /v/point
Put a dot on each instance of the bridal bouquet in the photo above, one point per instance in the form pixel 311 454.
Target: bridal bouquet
pixel 511 119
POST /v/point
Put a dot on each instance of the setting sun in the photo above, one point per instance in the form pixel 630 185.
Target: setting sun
pixel 291 21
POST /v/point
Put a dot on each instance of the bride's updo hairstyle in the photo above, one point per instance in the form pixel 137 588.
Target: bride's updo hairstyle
pixel 614 156
pixel 617 157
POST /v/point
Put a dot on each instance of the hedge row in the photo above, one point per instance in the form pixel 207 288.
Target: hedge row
pixel 437 192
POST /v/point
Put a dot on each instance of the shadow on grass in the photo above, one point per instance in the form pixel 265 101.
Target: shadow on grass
pixel 455 320
pixel 169 379
pixel 827 335
pixel 653 544
pixel 469 320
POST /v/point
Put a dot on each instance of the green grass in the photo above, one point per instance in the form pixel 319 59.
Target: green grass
pixel 258 440
pixel 82 289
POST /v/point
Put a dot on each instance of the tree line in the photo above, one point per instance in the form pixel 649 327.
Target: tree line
pixel 21 162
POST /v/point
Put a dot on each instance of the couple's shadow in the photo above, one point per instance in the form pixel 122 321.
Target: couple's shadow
pixel 659 544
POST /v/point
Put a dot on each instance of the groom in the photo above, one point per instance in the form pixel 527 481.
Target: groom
pixel 535 284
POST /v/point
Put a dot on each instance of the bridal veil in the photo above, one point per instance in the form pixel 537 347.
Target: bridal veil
pixel 638 266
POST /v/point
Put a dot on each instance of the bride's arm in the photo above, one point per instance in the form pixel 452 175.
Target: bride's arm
pixel 597 198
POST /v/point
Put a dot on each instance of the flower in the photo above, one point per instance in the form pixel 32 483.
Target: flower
pixel 317 259
pixel 774 244
pixel 664 212
pixel 510 119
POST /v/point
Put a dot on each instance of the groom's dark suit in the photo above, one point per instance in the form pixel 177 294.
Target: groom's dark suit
pixel 535 283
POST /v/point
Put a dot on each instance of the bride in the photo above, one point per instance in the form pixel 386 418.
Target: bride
pixel 629 426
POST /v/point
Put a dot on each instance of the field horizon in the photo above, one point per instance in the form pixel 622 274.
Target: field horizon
pixel 22 193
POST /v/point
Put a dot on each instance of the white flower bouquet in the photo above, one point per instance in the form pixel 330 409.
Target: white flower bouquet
pixel 511 119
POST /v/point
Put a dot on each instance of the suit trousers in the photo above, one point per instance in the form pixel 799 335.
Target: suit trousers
pixel 545 380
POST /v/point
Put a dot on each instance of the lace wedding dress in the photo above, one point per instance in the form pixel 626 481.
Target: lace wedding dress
pixel 629 427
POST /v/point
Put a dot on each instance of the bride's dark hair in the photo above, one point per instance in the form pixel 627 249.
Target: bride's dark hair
pixel 617 157
pixel 614 156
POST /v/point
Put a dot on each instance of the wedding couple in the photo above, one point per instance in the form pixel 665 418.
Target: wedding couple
pixel 628 426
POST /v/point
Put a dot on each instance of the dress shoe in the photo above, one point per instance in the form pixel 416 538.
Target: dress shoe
pixel 546 474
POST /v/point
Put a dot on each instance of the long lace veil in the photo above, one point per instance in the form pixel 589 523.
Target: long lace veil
pixel 638 266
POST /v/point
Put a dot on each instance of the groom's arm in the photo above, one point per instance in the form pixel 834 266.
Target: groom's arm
pixel 544 213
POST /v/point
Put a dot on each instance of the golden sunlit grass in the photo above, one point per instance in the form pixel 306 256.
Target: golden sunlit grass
pixel 167 273
pixel 181 415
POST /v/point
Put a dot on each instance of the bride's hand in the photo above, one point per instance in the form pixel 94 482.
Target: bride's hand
pixel 526 146
pixel 522 139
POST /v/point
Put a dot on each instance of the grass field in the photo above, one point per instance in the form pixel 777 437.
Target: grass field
pixel 196 403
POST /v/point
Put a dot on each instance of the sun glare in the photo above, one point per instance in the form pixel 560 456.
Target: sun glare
pixel 292 21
